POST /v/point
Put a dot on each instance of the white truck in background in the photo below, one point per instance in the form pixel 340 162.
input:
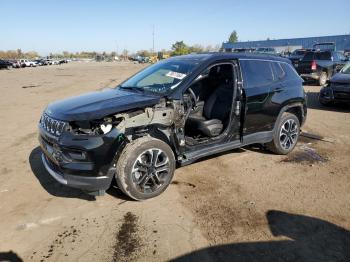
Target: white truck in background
pixel 25 63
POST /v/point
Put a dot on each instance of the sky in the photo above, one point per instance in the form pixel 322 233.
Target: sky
pixel 82 25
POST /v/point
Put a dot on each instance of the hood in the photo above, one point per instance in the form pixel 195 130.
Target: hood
pixel 96 105
pixel 340 78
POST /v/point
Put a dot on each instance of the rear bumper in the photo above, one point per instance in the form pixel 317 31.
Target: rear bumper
pixel 311 76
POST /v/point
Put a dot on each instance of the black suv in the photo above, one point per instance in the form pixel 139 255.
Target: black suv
pixel 5 64
pixel 297 55
pixel 337 89
pixel 173 112
pixel 320 65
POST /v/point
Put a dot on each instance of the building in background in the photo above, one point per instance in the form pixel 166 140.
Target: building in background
pixel 342 43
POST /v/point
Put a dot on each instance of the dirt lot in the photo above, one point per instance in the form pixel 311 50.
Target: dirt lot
pixel 245 205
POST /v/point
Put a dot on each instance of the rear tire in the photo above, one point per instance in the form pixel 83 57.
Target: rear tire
pixel 145 168
pixel 323 79
pixel 285 135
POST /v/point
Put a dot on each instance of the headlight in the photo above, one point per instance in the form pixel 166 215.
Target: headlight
pixel 95 127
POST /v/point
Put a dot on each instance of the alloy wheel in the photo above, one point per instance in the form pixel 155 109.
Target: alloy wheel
pixel 288 134
pixel 150 170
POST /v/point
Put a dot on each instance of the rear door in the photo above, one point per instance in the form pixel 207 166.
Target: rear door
pixel 259 84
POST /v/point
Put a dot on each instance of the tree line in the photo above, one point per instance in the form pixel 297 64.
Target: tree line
pixel 18 54
pixel 178 48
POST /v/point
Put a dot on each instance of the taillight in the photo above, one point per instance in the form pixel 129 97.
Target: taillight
pixel 313 65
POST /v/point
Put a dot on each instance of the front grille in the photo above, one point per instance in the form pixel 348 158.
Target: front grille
pixel 341 95
pixel 53 126
pixel 335 84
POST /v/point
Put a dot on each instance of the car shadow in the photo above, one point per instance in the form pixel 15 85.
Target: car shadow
pixel 258 148
pixel 305 239
pixel 49 183
pixel 10 256
pixel 114 191
pixel 313 103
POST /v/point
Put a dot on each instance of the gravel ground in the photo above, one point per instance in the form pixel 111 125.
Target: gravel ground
pixel 244 205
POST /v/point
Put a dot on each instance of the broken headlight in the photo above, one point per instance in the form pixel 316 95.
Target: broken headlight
pixel 95 127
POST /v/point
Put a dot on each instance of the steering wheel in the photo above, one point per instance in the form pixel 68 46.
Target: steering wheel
pixel 194 98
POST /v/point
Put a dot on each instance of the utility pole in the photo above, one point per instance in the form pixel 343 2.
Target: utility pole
pixel 153 40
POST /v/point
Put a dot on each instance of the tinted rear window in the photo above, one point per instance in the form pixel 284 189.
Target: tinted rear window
pixel 323 56
pixel 278 71
pixel 257 73
pixel 309 56
pixel 284 71
pixel 299 52
pixel 290 72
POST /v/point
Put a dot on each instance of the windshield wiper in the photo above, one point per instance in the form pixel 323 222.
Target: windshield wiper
pixel 132 88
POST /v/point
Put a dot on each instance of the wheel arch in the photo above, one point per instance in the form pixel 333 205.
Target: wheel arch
pixel 294 108
pixel 163 133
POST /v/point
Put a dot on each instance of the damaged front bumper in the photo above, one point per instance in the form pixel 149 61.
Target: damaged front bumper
pixel 81 161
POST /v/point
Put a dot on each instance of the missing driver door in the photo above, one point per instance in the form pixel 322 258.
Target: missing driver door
pixel 215 118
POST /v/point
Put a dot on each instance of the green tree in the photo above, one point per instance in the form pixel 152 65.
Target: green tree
pixel 196 49
pixel 180 48
pixel 143 53
pixel 233 37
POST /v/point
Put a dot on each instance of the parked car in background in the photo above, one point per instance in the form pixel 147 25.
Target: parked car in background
pixel 5 64
pixel 243 50
pixel 27 63
pixel 297 55
pixel 338 88
pixel 40 62
pixel 321 65
pixel 62 61
pixel 50 61
pixel 347 53
pixel 15 63
pixel 266 50
pixel 173 112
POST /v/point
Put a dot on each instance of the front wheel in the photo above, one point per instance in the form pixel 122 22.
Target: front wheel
pixel 286 134
pixel 145 168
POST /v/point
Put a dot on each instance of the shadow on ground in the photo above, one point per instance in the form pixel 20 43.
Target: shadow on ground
pixel 10 257
pixel 49 183
pixel 56 189
pixel 308 239
pixel 313 103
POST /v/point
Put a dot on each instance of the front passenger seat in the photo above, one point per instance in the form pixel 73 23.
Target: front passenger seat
pixel 215 113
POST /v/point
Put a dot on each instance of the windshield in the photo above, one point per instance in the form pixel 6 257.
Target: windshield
pixel 160 77
pixel 346 69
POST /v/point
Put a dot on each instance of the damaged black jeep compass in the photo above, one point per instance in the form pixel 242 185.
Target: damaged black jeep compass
pixel 171 113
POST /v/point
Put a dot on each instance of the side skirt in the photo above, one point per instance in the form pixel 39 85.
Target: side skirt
pixel 257 138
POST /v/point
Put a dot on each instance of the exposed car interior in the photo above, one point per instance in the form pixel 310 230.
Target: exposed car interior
pixel 211 102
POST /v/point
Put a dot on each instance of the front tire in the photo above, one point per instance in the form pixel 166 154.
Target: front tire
pixel 145 168
pixel 286 135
